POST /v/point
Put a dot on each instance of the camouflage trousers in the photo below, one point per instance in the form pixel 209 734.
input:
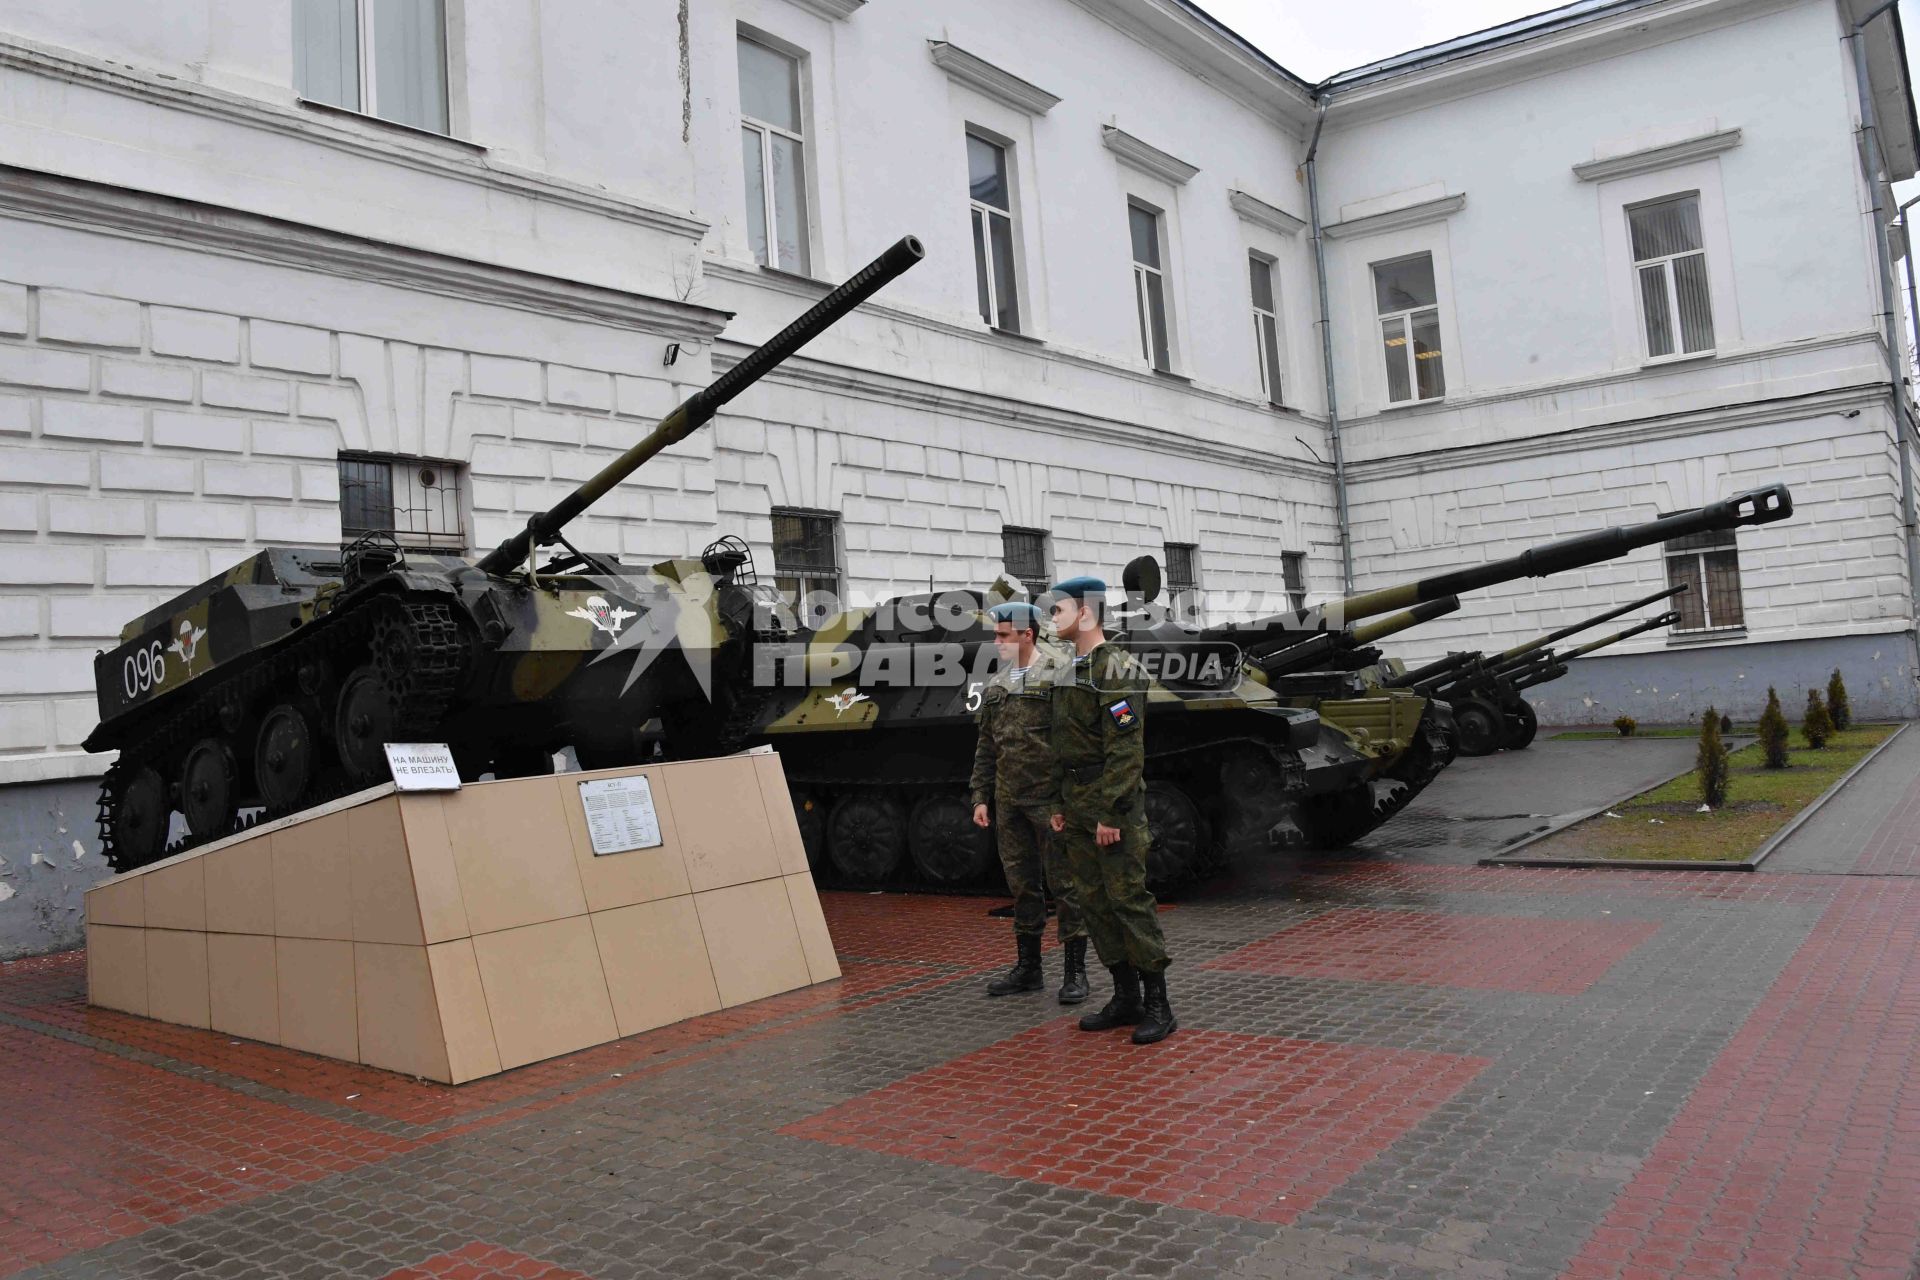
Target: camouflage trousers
pixel 1122 917
pixel 1031 856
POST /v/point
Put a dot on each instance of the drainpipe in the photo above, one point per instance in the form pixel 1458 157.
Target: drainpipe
pixel 1870 170
pixel 1326 360
pixel 1906 452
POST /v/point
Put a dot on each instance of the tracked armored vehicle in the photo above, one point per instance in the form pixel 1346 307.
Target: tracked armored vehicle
pixel 277 685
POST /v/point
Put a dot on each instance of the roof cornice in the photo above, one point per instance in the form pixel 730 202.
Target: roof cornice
pixel 1185 35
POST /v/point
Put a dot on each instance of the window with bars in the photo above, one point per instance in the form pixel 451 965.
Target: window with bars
pixel 1409 311
pixel 1183 580
pixel 415 499
pixel 1149 286
pixel 1266 326
pixel 1293 572
pixel 806 561
pixel 1025 554
pixel 1709 565
pixel 1670 277
pixel 386 58
pixel 990 205
pixel 773 151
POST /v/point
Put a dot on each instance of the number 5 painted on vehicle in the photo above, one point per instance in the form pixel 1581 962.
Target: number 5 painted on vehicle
pixel 973 696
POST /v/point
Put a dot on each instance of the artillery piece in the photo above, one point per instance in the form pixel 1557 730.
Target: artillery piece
pixel 276 685
pixel 1484 690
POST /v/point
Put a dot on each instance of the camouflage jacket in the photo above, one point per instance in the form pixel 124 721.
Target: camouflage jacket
pixel 1099 736
pixel 1012 761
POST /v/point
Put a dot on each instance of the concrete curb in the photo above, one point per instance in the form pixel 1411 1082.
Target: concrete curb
pixel 1748 863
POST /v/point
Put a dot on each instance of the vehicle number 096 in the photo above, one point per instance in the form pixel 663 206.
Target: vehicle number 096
pixel 144 668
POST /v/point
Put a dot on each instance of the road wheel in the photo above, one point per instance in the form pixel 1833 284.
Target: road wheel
pixel 1178 836
pixel 1479 726
pixel 138 818
pixel 866 836
pixel 363 724
pixel 207 789
pixel 947 848
pixel 283 758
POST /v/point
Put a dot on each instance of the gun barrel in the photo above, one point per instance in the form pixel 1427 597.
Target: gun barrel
pixel 1541 643
pixel 1394 623
pixel 1420 675
pixel 699 408
pixel 1756 506
pixel 1665 619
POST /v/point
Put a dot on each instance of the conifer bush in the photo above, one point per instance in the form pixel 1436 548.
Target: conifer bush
pixel 1773 731
pixel 1710 762
pixel 1817 727
pixel 1839 710
pixel 1626 725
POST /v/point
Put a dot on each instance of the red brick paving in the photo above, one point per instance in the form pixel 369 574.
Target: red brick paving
pixel 96 1148
pixel 1252 1126
pixel 480 1261
pixel 1491 953
pixel 1798 1154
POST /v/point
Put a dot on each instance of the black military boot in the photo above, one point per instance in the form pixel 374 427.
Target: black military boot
pixel 1124 1009
pixel 1025 974
pixel 1073 985
pixel 1156 1018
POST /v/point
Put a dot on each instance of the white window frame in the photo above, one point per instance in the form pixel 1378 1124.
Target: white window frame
pixel 1698 555
pixel 804 233
pixel 1141 271
pixel 364 57
pixel 1296 596
pixel 1613 198
pixel 1192 609
pixel 1665 263
pixel 978 210
pixel 1272 381
pixel 1405 319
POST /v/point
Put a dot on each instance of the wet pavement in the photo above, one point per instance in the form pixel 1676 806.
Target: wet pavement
pixel 1398 1064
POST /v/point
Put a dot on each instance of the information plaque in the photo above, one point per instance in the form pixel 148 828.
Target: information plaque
pixel 620 814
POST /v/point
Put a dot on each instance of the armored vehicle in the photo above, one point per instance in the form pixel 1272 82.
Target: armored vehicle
pixel 1293 746
pixel 278 684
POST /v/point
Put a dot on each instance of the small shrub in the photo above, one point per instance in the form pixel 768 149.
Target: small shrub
pixel 1817 727
pixel 1773 732
pixel 1838 708
pixel 1710 762
pixel 1626 725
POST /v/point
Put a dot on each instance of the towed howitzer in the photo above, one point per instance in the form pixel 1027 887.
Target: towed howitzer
pixel 1428 675
pixel 1489 712
pixel 278 684
pixel 1558 667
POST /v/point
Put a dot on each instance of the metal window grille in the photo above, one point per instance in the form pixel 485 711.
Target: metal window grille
pixel 1293 571
pixel 1670 277
pixel 1149 286
pixel 990 206
pixel 1709 565
pixel 1266 326
pixel 806 561
pixel 387 58
pixel 418 500
pixel 1025 554
pixel 773 151
pixel 1407 302
pixel 1183 580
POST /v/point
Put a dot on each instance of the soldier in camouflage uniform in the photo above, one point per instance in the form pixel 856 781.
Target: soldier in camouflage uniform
pixel 1013 770
pixel 1099 751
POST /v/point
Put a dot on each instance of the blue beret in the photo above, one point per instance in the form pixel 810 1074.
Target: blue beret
pixel 1023 616
pixel 1080 588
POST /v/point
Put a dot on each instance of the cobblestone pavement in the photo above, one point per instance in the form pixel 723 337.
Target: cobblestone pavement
pixel 1387 1066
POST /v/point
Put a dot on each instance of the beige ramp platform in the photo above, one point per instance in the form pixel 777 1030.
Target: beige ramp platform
pixel 459 934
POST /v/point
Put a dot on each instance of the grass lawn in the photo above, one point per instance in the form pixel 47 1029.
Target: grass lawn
pixel 1666 824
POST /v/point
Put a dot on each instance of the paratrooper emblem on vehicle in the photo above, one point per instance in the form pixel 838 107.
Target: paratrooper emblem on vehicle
pixel 604 617
pixel 188 642
pixel 843 701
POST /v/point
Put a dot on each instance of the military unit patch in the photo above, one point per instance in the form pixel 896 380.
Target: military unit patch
pixel 1122 713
